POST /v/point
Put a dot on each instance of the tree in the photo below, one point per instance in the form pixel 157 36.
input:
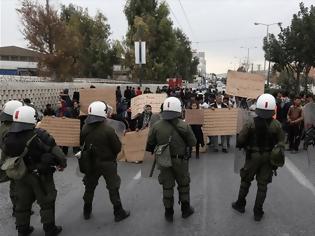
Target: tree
pixel 96 56
pixel 294 49
pixel 47 34
pixel 149 21
pixel 70 43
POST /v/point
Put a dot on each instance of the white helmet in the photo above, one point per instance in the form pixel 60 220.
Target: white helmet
pixel 265 106
pixel 97 112
pixel 172 108
pixel 8 110
pixel 24 118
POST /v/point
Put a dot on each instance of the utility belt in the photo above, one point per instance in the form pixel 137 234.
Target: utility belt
pixel 256 149
pixel 182 157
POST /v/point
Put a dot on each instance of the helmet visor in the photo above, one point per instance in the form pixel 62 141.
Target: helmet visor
pixel 170 115
pixel 93 119
pixel 5 117
pixel 17 127
pixel 265 114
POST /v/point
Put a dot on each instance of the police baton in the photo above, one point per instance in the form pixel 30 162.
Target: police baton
pixel 152 168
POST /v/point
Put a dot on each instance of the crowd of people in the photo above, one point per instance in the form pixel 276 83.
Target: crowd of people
pixel 289 111
pixel 30 156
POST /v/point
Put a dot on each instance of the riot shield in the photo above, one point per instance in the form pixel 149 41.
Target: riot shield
pixel 244 116
pixel 239 160
pixel 309 115
pixel 118 126
pixel 311 155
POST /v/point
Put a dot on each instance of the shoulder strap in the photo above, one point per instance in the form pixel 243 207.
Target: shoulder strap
pixel 27 145
pixel 177 131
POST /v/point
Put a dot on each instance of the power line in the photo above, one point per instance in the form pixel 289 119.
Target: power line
pixel 224 40
pixel 172 12
pixel 186 16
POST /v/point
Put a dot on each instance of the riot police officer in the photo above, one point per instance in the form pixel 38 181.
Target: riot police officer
pixel 101 146
pixel 181 138
pixel 263 140
pixel 6 120
pixel 32 157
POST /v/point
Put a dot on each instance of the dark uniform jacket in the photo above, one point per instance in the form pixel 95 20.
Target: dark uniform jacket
pixel 248 137
pixel 42 149
pixel 103 140
pixel 162 130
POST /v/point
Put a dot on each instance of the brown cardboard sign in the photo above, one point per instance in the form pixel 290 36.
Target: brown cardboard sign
pixel 134 144
pixel 66 132
pixel 194 116
pixel 89 95
pixel 245 84
pixel 220 122
pixel 155 100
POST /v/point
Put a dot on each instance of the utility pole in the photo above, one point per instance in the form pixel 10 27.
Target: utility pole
pixel 267 25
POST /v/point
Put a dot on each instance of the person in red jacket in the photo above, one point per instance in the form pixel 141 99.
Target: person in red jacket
pixel 138 92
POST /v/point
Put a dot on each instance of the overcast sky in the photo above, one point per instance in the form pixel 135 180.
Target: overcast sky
pixel 218 27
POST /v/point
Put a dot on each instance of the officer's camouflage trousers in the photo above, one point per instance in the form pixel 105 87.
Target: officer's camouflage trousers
pixel 109 172
pixel 257 165
pixel 13 194
pixel 179 172
pixel 33 188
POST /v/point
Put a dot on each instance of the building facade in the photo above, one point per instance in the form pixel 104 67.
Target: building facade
pixel 18 61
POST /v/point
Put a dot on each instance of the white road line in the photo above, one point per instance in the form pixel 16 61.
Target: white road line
pixel 299 176
pixel 137 176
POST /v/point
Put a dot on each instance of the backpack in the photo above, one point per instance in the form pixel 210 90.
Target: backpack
pixel 15 167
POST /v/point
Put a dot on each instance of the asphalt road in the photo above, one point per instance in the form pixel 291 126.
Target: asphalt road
pixel 289 208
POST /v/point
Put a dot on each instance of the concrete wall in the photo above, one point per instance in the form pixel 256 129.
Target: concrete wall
pixel 42 93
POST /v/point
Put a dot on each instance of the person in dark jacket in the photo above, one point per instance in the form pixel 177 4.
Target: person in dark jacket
pixel 173 130
pixel 41 160
pixel 143 120
pixel 197 130
pixel 102 145
pixel 49 111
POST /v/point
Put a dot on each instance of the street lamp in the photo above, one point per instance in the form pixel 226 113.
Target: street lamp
pixel 247 64
pixel 267 25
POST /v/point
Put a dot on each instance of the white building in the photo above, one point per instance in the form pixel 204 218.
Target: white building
pixel 202 67
pixel 17 61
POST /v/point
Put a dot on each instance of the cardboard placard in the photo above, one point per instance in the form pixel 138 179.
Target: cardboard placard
pixel 220 122
pixel 155 100
pixel 66 132
pixel 134 144
pixel 245 84
pixel 194 116
pixel 89 95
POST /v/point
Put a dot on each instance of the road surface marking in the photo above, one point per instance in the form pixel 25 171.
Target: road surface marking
pixel 299 176
pixel 137 176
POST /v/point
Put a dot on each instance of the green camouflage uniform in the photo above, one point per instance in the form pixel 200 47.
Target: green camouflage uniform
pixel 105 148
pixel 159 134
pixel 38 183
pixel 4 127
pixel 258 160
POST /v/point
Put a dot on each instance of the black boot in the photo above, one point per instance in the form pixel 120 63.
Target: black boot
pixel 258 214
pixel 187 210
pixel 87 210
pixel 260 199
pixel 239 205
pixel 120 214
pixel 52 229
pixel 25 230
pixel 169 213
